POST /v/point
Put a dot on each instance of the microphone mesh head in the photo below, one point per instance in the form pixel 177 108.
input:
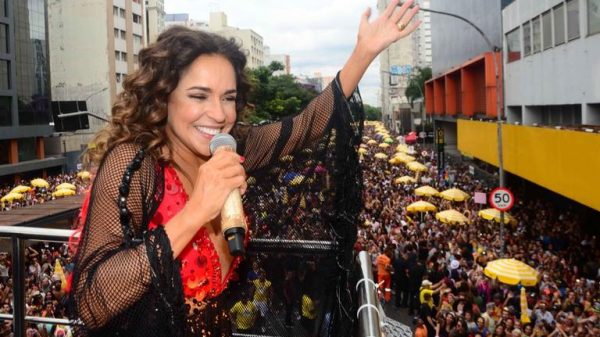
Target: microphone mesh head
pixel 222 139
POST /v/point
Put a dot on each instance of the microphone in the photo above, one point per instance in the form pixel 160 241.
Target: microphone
pixel 232 213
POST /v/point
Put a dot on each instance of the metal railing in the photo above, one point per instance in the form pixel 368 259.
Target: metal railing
pixel 18 236
pixel 370 314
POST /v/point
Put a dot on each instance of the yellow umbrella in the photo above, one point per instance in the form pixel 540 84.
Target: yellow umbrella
pixel 421 206
pixel 416 166
pixel 384 145
pixel 362 150
pixel 402 148
pixel 372 142
pixel 83 175
pixel 380 155
pixel 66 186
pixel 404 157
pixel 39 182
pixel 21 189
pixel 63 193
pixel 426 191
pixel 511 271
pixel 494 214
pixel 451 216
pixel 524 316
pixel 394 161
pixel 405 180
pixel 12 196
pixel 454 194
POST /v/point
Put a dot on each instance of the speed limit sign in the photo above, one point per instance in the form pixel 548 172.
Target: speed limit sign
pixel 502 199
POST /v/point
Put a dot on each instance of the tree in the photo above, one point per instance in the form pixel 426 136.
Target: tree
pixel 416 83
pixel 372 113
pixel 274 97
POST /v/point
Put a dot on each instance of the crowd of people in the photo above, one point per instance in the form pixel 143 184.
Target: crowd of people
pixel 435 270
pixel 432 269
pixel 39 194
pixel 47 266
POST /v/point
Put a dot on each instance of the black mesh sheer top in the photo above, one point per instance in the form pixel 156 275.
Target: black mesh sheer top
pixel 126 281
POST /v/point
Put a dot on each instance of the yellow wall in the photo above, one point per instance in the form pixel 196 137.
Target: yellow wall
pixel 566 162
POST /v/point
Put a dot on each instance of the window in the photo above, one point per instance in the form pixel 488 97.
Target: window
pixel 115 11
pixel 513 44
pixel 547 30
pixel 124 56
pixel 137 18
pixel 537 35
pixel 573 19
pixel 593 9
pixel 137 40
pixel 116 33
pixel 122 12
pixel 122 34
pixel 118 77
pixel 4 75
pixel 526 39
pixel 117 55
pixel 5 109
pixel 3 38
pixel 559 24
pixel 3 8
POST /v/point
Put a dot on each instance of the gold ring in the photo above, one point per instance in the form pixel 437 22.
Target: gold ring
pixel 401 26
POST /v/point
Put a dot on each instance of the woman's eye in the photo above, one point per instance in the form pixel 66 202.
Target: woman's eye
pixel 230 98
pixel 198 97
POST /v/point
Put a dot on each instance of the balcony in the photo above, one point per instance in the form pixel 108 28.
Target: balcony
pixel 561 159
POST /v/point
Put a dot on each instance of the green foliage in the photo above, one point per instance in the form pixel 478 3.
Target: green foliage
pixel 372 113
pixel 416 83
pixel 273 97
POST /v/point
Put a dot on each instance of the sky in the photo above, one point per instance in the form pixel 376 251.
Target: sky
pixel 319 35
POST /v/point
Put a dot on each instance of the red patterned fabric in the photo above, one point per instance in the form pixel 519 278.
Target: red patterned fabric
pixel 200 266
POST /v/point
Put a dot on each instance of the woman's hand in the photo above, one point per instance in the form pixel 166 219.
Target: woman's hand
pixel 392 25
pixel 216 178
pixel 373 37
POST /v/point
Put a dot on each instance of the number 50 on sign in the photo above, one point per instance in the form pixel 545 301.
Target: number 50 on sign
pixel 502 199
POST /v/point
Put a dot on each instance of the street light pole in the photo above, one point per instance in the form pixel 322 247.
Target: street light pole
pixel 494 50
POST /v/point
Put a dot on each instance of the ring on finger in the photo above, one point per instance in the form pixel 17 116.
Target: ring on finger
pixel 401 26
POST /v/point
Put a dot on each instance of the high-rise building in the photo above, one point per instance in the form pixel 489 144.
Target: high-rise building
pixel 464 83
pixel 422 38
pixel 93 45
pixel 183 19
pixel 396 64
pixel 250 41
pixel 154 19
pixel 281 58
pixel 25 114
pixel 550 116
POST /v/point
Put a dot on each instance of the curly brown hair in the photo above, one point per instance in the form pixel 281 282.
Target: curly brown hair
pixel 140 113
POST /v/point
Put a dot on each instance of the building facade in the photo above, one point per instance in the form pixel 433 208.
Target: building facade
pixel 92 72
pixel 396 64
pixel 550 115
pixel 250 41
pixel 422 38
pixel 281 58
pixel 183 19
pixel 553 48
pixel 25 115
pixel 154 19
